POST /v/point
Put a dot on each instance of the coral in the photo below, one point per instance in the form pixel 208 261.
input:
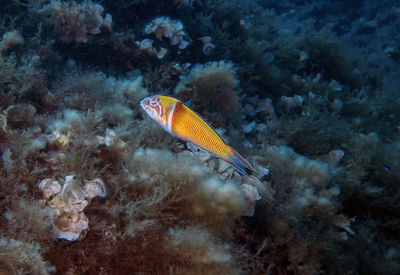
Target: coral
pixel 208 48
pixel 75 22
pixel 168 28
pixel 207 45
pixel 49 188
pixel 147 46
pixel 69 201
pixel 94 188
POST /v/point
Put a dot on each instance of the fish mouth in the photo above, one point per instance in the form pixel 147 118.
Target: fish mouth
pixel 143 103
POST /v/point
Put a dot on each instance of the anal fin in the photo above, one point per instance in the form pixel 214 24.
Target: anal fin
pixel 241 164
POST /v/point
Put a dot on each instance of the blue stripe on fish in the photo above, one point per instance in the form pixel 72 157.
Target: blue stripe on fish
pixel 242 165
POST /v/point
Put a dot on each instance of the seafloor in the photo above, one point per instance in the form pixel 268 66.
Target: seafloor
pixel 307 91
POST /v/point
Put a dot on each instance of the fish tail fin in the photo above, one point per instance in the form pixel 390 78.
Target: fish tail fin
pixel 240 163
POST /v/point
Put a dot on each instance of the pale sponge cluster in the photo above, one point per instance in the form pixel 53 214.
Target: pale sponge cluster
pixel 166 27
pixel 69 201
pixel 75 21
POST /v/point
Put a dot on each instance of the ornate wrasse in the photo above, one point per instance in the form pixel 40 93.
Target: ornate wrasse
pixel 180 121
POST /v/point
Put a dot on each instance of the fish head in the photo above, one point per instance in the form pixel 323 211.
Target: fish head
pixel 152 106
pixel 160 108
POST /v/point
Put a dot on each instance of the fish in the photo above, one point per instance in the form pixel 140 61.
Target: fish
pixel 182 122
pixel 387 168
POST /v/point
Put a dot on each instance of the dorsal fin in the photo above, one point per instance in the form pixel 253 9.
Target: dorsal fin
pixel 187 103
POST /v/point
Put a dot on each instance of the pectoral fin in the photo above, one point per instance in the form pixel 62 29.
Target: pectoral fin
pixel 194 148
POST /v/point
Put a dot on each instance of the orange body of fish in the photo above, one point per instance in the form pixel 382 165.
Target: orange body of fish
pixel 180 121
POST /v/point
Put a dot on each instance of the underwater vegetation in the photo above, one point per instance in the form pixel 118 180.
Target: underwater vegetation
pixel 306 91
